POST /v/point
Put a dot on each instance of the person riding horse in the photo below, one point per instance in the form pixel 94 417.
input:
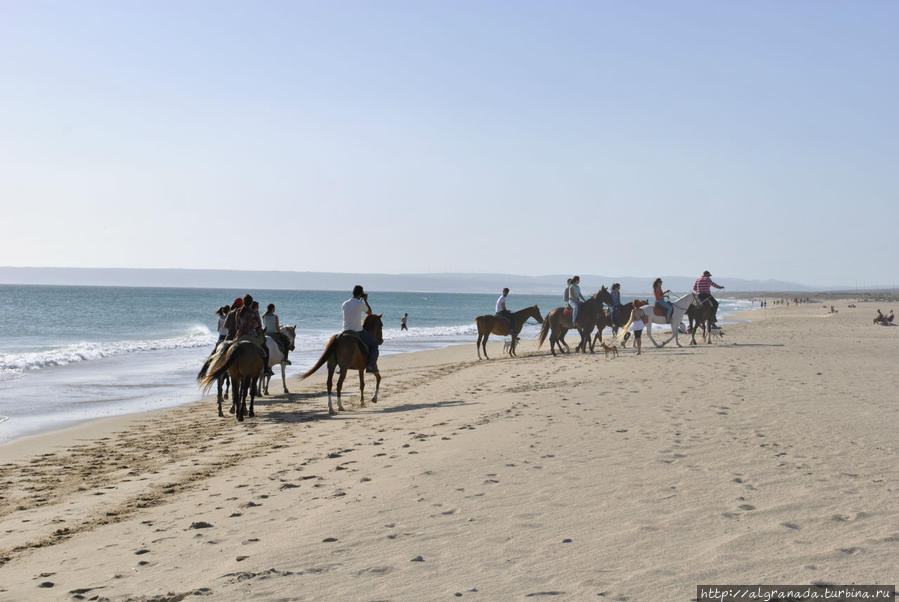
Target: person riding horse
pixel 502 310
pixel 661 300
pixel 702 288
pixel 575 298
pixel 352 320
pixel 272 327
pixel 615 292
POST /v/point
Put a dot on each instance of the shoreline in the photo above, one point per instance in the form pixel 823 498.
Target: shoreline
pixel 69 431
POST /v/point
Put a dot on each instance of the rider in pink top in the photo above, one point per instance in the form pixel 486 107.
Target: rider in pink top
pixel 702 287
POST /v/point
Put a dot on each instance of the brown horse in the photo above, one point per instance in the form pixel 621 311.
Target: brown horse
pixel 343 350
pixel 701 316
pixel 243 362
pixel 492 324
pixel 558 323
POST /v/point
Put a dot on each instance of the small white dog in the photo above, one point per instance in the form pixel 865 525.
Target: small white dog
pixel 507 344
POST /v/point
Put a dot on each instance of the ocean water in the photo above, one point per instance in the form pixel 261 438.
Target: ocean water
pixel 71 353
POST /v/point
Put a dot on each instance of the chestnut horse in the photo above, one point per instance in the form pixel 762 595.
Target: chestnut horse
pixel 343 350
pixel 492 324
pixel 558 323
pixel 243 362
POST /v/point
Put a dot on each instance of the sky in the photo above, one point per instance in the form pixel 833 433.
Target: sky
pixel 755 139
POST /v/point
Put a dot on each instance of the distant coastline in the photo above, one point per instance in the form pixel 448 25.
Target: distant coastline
pixel 326 281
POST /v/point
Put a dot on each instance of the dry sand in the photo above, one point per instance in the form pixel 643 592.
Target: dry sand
pixel 769 457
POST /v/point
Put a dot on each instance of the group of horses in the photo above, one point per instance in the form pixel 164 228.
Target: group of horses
pixel 241 364
pixel 591 315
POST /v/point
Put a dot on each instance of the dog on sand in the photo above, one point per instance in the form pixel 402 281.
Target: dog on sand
pixel 610 349
pixel 507 344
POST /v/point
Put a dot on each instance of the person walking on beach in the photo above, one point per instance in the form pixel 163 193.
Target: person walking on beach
pixel 575 298
pixel 353 309
pixel 272 327
pixel 637 328
pixel 502 310
pixel 702 288
pixel 661 300
pixel 403 322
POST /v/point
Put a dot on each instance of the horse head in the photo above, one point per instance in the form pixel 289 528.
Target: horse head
pixel 375 326
pixel 604 296
pixel 536 314
pixel 291 333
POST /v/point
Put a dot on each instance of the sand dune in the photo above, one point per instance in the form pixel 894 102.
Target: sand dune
pixel 769 457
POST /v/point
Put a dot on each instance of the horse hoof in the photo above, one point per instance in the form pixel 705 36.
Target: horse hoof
pixel 240 418
pixel 231 410
pixel 331 412
pixel 252 414
pixel 221 414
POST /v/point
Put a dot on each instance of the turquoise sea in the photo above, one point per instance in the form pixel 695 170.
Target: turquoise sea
pixel 73 353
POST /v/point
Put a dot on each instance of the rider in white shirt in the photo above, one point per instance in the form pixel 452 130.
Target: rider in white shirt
pixel 502 310
pixel 353 309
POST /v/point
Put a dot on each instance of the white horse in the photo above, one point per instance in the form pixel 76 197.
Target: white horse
pixel 647 314
pixel 276 357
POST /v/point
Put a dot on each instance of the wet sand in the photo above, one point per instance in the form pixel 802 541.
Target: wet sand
pixel 768 457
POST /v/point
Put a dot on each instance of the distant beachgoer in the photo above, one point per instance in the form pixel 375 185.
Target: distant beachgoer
pixel 637 328
pixel 403 325
pixel 272 326
pixel 575 298
pixel 353 308
pixel 879 317
pixel 702 288
pixel 661 301
pixel 502 310
pixel 890 317
pixel 222 313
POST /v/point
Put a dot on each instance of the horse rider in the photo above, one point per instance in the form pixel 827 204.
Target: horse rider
pixel 702 288
pixel 502 310
pixel 272 327
pixel 615 293
pixel 575 298
pixel 231 319
pixel 352 320
pixel 565 296
pixel 249 328
pixel 661 301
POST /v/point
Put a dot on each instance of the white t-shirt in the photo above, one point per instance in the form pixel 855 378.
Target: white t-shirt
pixel 221 327
pixel 501 303
pixel 353 310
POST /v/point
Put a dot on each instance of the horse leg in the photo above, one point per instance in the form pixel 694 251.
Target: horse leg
pixel 486 336
pixel 284 378
pixel 219 396
pixel 361 388
pixel 340 380
pixel 240 393
pixel 512 345
pixel 227 386
pixel 374 398
pixel 253 390
pixel 478 345
pixel 330 380
pixel 235 394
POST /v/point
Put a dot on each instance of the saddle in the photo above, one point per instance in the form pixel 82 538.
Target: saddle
pixel 500 319
pixel 659 311
pixel 357 337
pixel 281 341
pixel 566 313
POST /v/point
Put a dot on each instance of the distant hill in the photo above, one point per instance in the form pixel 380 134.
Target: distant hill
pixel 449 282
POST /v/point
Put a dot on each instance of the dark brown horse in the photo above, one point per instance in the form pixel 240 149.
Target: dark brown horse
pixel 558 323
pixel 343 350
pixel 243 362
pixel 499 325
pixel 701 316
pixel 622 316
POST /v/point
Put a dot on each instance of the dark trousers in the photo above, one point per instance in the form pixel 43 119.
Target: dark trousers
pixel 372 348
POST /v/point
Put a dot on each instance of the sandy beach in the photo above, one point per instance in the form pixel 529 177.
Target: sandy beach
pixel 767 457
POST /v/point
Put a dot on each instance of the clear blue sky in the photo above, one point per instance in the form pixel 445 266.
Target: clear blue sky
pixel 754 139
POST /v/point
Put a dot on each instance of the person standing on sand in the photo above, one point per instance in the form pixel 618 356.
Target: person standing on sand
pixel 353 309
pixel 637 328
pixel 403 322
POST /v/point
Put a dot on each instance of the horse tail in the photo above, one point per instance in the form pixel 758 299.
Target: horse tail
pixel 330 348
pixel 543 331
pixel 624 328
pixel 213 358
pixel 217 367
